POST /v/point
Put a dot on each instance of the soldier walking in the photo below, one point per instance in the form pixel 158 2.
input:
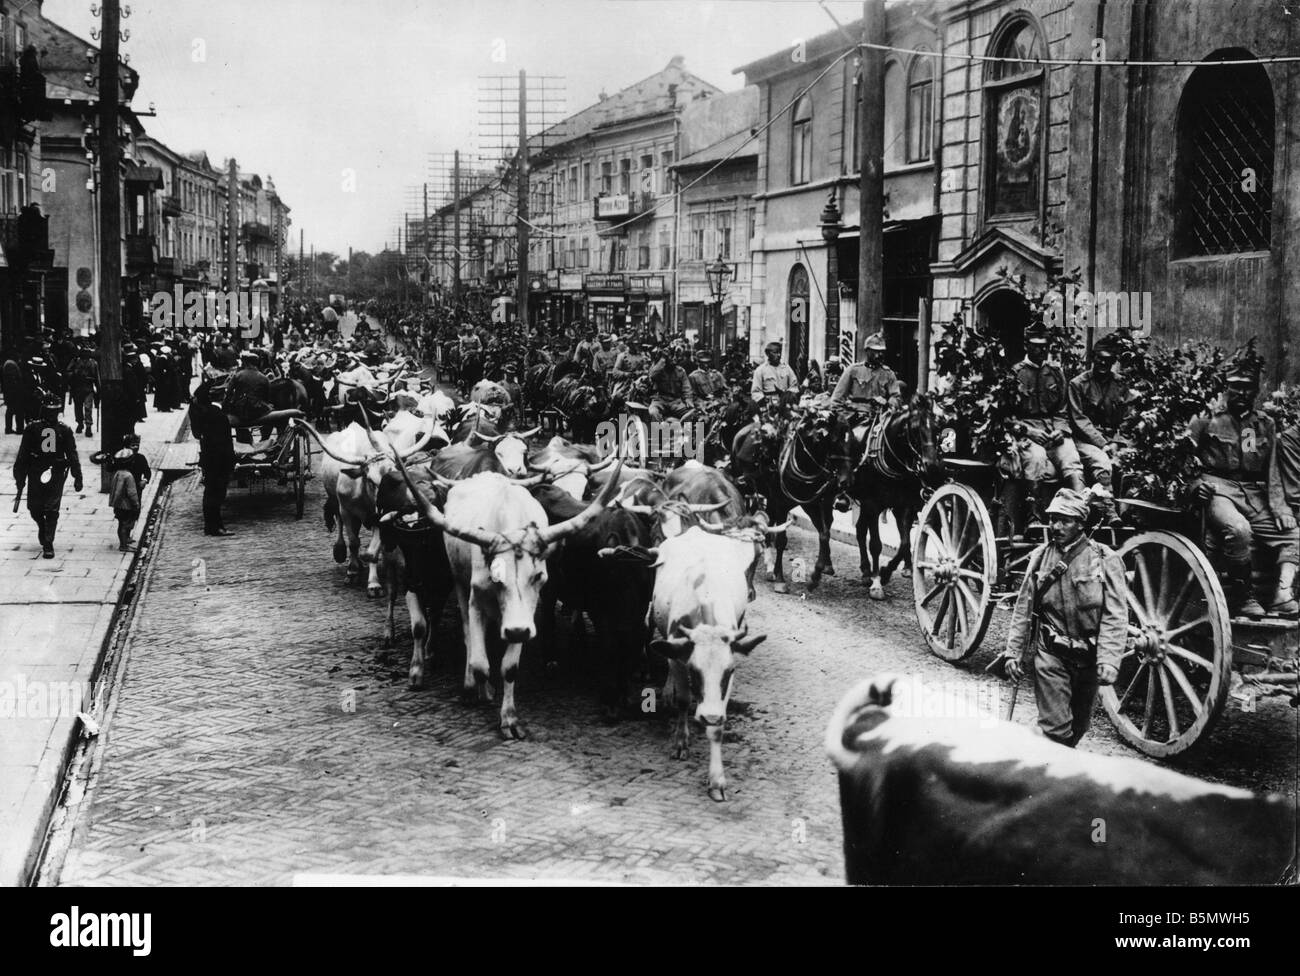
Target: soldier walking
pixel 47 453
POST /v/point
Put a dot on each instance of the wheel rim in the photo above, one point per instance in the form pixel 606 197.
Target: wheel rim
pixel 1173 680
pixel 954 564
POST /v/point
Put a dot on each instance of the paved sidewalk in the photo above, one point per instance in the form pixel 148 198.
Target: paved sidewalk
pixel 54 617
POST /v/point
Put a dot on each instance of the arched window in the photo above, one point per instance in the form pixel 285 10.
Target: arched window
pixel 801 142
pixel 797 313
pixel 1223 176
pixel 1015 100
pixel 920 109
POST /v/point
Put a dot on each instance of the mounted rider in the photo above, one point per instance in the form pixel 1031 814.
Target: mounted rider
pixel 671 394
pixel 865 394
pixel 1241 487
pixel 772 378
pixel 706 382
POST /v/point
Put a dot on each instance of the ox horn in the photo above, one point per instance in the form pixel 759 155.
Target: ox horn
pixel 418 446
pixel 713 527
pixel 528 433
pixel 602 465
pixel 530 481
pixel 474 435
pixel 554 533
pixel 774 529
pixel 439 521
pixel 701 509
pixel 337 457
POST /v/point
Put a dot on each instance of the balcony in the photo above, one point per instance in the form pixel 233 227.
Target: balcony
pixel 141 254
pixel 171 206
pixel 26 239
pixel 256 231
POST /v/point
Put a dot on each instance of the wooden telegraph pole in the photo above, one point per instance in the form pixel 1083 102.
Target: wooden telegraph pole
pixel 455 241
pixel 116 412
pixel 871 214
pixel 521 282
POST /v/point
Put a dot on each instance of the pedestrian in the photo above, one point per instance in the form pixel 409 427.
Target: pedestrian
pixel 13 384
pixel 216 454
pixel 1069 628
pixel 47 453
pixel 83 385
pixel 134 381
pixel 129 473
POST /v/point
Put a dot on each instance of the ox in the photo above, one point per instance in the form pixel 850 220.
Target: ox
pixel 698 611
pixel 944 801
pixel 498 538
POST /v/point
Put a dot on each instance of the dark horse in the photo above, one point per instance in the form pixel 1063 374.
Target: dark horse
pixel 893 480
pixel 786 465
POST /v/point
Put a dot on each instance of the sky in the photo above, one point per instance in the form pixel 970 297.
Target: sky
pixel 313 92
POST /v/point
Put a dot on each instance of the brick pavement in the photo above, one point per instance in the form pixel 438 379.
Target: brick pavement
pixel 54 617
pixel 232 757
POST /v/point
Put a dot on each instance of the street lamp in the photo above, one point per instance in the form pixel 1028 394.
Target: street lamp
pixel 830 228
pixel 717 273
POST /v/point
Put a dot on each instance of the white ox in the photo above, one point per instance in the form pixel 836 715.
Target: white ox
pixel 936 790
pixel 354 464
pixel 698 608
pixel 497 539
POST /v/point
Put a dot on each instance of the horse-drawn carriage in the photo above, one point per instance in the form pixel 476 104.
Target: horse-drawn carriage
pixel 1186 656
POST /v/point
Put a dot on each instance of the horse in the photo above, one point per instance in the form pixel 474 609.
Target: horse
pixel 894 479
pixel 807 473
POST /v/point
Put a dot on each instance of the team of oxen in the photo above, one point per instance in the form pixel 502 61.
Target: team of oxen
pixel 658 563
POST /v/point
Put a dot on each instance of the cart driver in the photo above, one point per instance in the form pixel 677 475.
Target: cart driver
pixel 1241 487
pixel 248 394
pixel 1070 625
pixel 1041 408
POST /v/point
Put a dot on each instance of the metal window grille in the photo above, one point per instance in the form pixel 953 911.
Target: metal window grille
pixel 1228 176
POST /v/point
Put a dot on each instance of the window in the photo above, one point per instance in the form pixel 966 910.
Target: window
pixel 1223 175
pixel 920 109
pixel 753 223
pixel 665 248
pixel 573 183
pixel 1015 100
pixel 584 254
pixel 20 39
pixel 697 237
pixel 722 225
pixel 620 255
pixel 666 159
pixel 4 38
pixel 625 176
pixel 559 189
pixel 801 142
pixel 571 254
pixel 23 164
pixel 586 181
pixel 607 177
pixel 648 161
pixel 643 250
pixel 8 191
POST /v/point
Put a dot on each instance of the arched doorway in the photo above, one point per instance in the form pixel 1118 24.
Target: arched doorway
pixel 797 311
pixel 1005 313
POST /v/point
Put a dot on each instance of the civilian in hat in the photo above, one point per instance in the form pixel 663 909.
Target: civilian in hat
pixel 224 356
pixel 47 453
pixel 134 382
pixel 772 377
pixel 1069 629
pixel 248 394
pixel 1241 487
pixel 209 424
pixel 1041 408
pixel 166 394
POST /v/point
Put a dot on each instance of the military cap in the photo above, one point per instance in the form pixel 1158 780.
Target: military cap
pixel 875 342
pixel 1069 502
pixel 1037 334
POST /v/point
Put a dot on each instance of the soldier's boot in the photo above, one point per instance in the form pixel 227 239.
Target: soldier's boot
pixel 51 524
pixel 1284 601
pixel 1240 592
pixel 40 528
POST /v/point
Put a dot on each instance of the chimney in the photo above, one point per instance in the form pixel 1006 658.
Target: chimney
pixel 677 62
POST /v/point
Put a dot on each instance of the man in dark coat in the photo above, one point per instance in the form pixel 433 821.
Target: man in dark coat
pixel 165 398
pixel 83 385
pixel 47 453
pixel 14 387
pixel 134 382
pixel 216 455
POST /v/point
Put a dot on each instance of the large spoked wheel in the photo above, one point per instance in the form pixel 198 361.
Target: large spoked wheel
pixel 953 568
pixel 1173 681
pixel 300 461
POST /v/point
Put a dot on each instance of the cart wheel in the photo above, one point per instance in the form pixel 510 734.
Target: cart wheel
pixel 636 441
pixel 1173 681
pixel 299 476
pixel 954 565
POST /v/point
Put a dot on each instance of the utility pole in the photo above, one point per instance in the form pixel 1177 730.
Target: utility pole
pixel 455 244
pixel 871 213
pixel 232 239
pixel 113 421
pixel 401 252
pixel 428 269
pixel 521 245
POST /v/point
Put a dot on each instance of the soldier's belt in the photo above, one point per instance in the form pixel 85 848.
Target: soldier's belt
pixel 1077 648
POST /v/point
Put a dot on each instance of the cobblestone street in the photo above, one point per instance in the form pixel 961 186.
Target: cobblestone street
pixel 262 732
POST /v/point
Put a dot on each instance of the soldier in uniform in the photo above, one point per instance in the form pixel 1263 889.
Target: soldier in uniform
pixel 83 385
pixel 1241 487
pixel 671 392
pixel 1041 409
pixel 47 453
pixel 773 376
pixel 1070 624
pixel 706 382
pixel 870 383
pixel 1098 400
pixel 629 364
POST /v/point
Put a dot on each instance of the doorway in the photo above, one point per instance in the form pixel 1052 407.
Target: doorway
pixel 1005 314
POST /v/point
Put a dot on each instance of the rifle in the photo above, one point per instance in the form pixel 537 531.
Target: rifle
pixel 18 496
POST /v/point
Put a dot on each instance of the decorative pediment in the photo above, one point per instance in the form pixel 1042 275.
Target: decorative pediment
pixel 1002 245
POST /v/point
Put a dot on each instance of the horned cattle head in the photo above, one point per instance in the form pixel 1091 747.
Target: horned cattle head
pixel 712 654
pixel 510 448
pixel 372 467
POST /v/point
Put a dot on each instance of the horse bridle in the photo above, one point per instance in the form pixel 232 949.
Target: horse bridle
pixel 788 468
pixel 890 464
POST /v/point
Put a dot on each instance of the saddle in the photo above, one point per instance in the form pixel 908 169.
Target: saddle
pixel 873 440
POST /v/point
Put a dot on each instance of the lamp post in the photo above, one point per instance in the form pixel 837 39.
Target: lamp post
pixel 717 273
pixel 831 227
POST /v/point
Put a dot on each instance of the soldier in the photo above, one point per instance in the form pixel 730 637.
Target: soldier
pixel 47 453
pixel 1041 408
pixel 1241 487
pixel 629 364
pixel 1070 623
pixel 1098 400
pixel 248 394
pixel 773 376
pixel 672 395
pixel 870 383
pixel 706 382
pixel 83 384
pixel 604 357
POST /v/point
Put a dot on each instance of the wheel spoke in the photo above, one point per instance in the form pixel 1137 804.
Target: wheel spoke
pixel 933 593
pixel 1181 680
pixel 953 610
pixel 1163 593
pixel 960 617
pixel 1150 710
pixel 1177 650
pixel 968 596
pixel 976 546
pixel 1167 694
pixel 1136 607
pixel 971 574
pixel 943 546
pixel 1180 602
pixel 1184 628
pixel 1142 669
pixel 1144 579
pixel 945 526
pixel 939 616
